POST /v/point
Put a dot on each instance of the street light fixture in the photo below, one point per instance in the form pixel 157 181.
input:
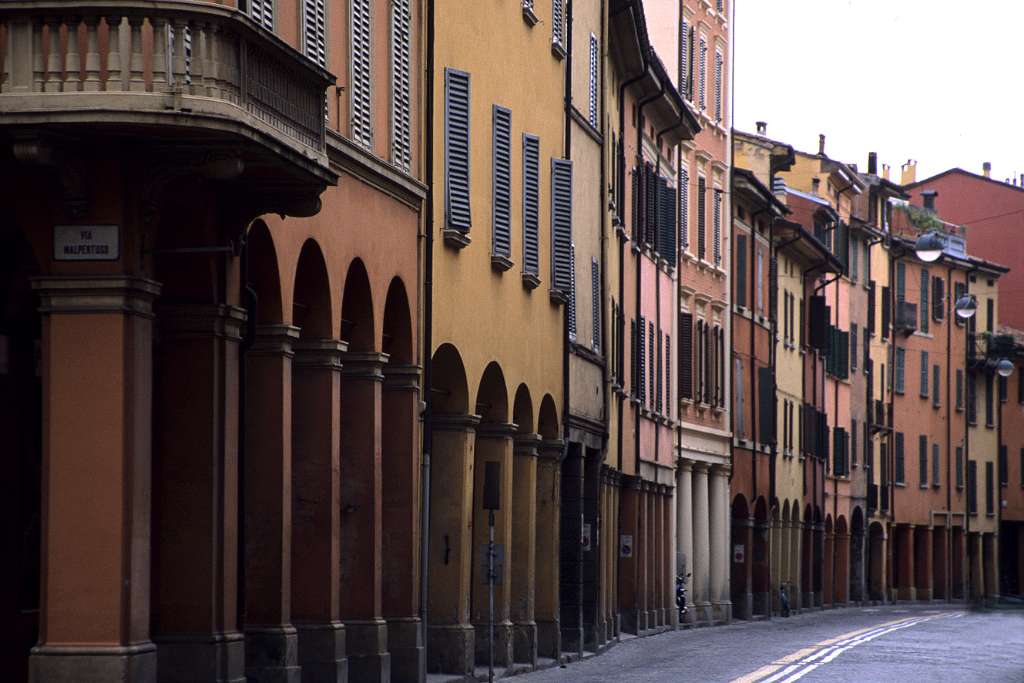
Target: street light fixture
pixel 929 246
pixel 966 306
pixel 1004 367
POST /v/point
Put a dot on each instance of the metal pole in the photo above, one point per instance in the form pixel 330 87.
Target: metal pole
pixel 490 596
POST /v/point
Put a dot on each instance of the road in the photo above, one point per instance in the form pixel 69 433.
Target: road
pixel 906 643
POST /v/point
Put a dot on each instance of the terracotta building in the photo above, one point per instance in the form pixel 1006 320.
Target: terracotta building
pixel 196 307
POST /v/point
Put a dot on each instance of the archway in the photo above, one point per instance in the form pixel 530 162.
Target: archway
pixel 21 430
pixel 493 456
pixel 548 531
pixel 400 521
pixel 741 562
pixel 761 570
pixel 876 562
pixel 451 647
pixel 524 528
pixel 841 590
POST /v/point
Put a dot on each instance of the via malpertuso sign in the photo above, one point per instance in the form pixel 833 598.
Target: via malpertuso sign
pixel 86 243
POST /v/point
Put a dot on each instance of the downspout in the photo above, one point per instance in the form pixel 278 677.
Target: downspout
pixel 428 317
pixel 947 587
pixel 969 486
pixel 754 414
pixel 250 304
pixel 603 240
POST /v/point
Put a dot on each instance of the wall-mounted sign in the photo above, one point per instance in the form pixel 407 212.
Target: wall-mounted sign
pixel 499 563
pixel 626 545
pixel 739 553
pixel 86 243
pixel 585 539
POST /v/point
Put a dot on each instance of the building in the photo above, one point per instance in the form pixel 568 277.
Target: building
pixel 500 277
pixel 214 339
pixel 1011 475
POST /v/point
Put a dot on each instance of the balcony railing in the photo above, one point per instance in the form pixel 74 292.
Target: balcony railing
pixel 986 350
pixel 188 64
pixel 906 317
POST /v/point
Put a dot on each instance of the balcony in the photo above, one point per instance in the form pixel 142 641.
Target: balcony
pixel 985 350
pixel 196 78
pixel 906 317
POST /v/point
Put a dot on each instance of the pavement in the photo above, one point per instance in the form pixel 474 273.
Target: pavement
pixel 916 642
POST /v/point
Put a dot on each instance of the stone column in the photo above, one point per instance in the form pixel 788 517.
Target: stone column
pixel 195 494
pixel 990 557
pixel 857 568
pixel 828 573
pixel 643 545
pixel 777 552
pixel 940 555
pixel 400 519
pixel 807 563
pixel 451 639
pixel 653 543
pixel 977 566
pixel 604 548
pixel 614 554
pixel 669 561
pixel 793 589
pixel 718 510
pixel 493 444
pixel 271 643
pixel 702 545
pixel 524 548
pixel 923 560
pixel 96 357
pixel 842 587
pixel 629 555
pixel 905 563
pixel 684 532
pixel 366 630
pixel 316 508
pixel 549 637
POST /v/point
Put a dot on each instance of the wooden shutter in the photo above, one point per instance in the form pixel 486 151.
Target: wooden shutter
pixel 922 457
pixel 642 360
pixel 722 366
pixel 401 69
pixel 854 253
pixel 501 183
pixel 634 373
pixel 656 380
pixel 692 41
pixel 718 86
pixel 531 205
pixel 572 292
pixel 651 194
pixel 684 52
pixel 924 313
pixel 899 458
pixel 637 196
pixel 766 405
pixel 901 281
pixel 866 343
pixel 853 442
pixel 667 222
pixel 924 374
pixel 871 307
pixel 684 208
pixel 717 225
pixel 686 355
pixel 935 464
pixel 989 492
pixel 361 86
pixel 972 486
pixel 818 323
pixel 936 389
pixel 592 100
pixel 900 364
pixel 262 12
pixel 703 56
pixel 886 312
pixel 652 373
pixel 558 23
pixel 740 274
pixel 702 193
pixel 595 303
pixel 314 39
pixel 669 398
pixel 853 347
pixel 561 225
pixel 456 150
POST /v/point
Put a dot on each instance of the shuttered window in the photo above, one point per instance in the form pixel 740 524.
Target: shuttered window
pixel 634 354
pixel 561 225
pixel 718 85
pixel 989 491
pixel 691 40
pixel 401 96
pixel 972 486
pixel 720 389
pixel 669 398
pixel 456 150
pixel 314 39
pixel 595 304
pixel 900 369
pixel 703 69
pixel 572 292
pixel 938 298
pixel 641 361
pixel 656 380
pixel 741 270
pixel 262 12
pixel 853 347
pixel 501 183
pixel 684 52
pixel 922 456
pixel 592 99
pixel 935 465
pixel 717 228
pixel 960 466
pixel 699 361
pixel 899 459
pixel 853 442
pixel 702 195
pixel 686 355
pixel 558 26
pixel 854 255
pixel 652 376
pixel 936 389
pixel 959 389
pixel 1004 475
pixel 684 207
pixel 924 374
pixel 871 307
pixel 361 86
pixel 867 350
pixel 666 245
pixel 924 313
pixel 886 312
pixel 531 206
pixel 759 280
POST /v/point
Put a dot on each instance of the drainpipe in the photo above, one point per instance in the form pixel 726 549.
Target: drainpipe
pixel 567 154
pixel 250 303
pixel 949 434
pixel 968 485
pixel 428 317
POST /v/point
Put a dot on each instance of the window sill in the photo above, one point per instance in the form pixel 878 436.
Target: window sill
pixel 530 281
pixel 557 296
pixel 557 50
pixel 456 239
pixel 900 484
pixel 529 17
pixel 501 263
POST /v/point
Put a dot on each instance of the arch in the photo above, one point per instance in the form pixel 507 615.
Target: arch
pixel 828 523
pixel 449 388
pixel 547 421
pixel 740 509
pixel 808 514
pixel 311 295
pixel 396 340
pixel 492 395
pixel 357 309
pixel 857 521
pixel 760 511
pixel 785 511
pixel 840 525
pixel 522 410
pixel 263 274
pixel 817 514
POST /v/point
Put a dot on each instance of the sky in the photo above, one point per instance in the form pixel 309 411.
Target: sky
pixel 932 80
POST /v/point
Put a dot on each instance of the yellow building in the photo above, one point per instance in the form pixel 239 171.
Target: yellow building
pixel 501 236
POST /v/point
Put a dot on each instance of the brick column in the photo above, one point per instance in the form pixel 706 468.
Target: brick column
pixel 717 512
pixel 684 531
pixel 701 579
pixel 828 571
pixel 549 637
pixel 524 548
pixel 316 508
pixel 97 340
pixel 629 554
pixel 923 562
pixel 195 494
pixel 366 631
pixel 905 563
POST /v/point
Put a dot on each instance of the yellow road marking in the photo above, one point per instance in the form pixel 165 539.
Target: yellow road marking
pixel 769 669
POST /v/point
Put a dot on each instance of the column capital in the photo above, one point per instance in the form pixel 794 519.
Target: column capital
pixel 402 377
pixel 319 353
pixel 496 430
pixel 551 449
pixel 274 340
pixel 701 467
pixel 96 294
pixel 454 423
pixel 200 320
pixel 631 481
pixel 363 365
pixel 720 470
pixel 526 443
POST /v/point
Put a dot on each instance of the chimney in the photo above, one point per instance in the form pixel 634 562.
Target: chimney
pixel 872 163
pixel 986 169
pixel 762 128
pixel 908 172
pixel 1022 179
pixel 821 144
pixel 815 184
pixel 929 200
pixel 885 171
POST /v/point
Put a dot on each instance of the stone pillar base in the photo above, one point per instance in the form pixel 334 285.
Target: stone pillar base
pixel 502 644
pixel 908 593
pixel 761 603
pixel 272 655
pixel 524 643
pixel 722 611
pixel 322 652
pixel 73 664
pixel 703 613
pixel 924 594
pixel 572 639
pixel 405 643
pixel 450 649
pixel 629 621
pixel 368 657
pixel 549 639
pixel 807 600
pixel 743 607
pixel 218 658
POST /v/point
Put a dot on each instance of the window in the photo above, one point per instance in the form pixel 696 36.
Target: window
pixel 686 355
pixel 741 270
pixel 531 209
pixel 702 194
pixel 923 312
pixel 960 466
pixel 641 345
pixel 922 454
pixel 720 333
pixel 938 298
pixel 595 304
pixel 935 465
pixel 990 314
pixel 959 389
pixel 853 442
pixel 684 207
pixel 572 292
pixel 935 386
pixel 361 87
pixel 501 186
pixel 759 274
pixel 924 374
pixel 634 373
pixel 972 487
pixel 703 72
pixel 989 406
pixel 718 85
pixel 314 38
pixel 684 52
pixel 592 100
pixel 401 67
pixel 901 281
pixel 665 237
pixel 561 225
pixel 699 365
pixel 655 373
pixel 867 350
pixel 1004 475
pixel 456 149
pixel 901 363
pixel 262 12
pixel 1002 388
pixel 558 27
pixel 989 490
pixel 853 347
pixel 854 254
pixel 899 458
pixel 668 375
pixel 717 228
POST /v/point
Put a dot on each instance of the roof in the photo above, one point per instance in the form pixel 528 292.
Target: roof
pixel 794 237
pixel 969 174
pixel 758 188
pixel 970 263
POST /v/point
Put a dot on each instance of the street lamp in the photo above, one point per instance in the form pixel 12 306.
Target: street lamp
pixel 966 306
pixel 1004 367
pixel 929 246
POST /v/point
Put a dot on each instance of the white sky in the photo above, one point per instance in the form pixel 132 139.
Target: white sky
pixel 933 80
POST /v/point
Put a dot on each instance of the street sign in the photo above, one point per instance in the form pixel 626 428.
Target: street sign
pixel 585 539
pixel 739 553
pixel 625 545
pixel 86 243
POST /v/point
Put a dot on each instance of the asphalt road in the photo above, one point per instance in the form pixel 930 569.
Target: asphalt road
pixel 905 643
